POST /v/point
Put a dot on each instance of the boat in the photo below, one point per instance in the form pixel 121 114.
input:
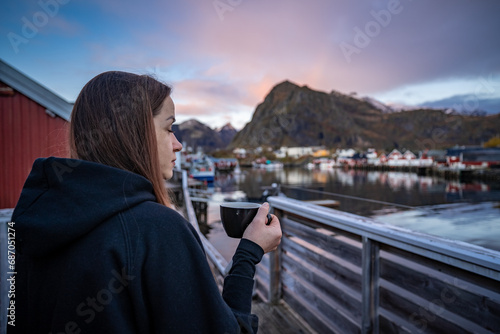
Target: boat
pixel 226 164
pixel 267 164
pixel 202 169
pixel 322 164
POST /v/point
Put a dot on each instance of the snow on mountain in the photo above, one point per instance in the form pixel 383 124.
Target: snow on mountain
pixel 389 107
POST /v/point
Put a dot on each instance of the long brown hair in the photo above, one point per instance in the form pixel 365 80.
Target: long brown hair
pixel 112 123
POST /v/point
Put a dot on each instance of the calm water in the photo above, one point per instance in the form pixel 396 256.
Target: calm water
pixel 461 211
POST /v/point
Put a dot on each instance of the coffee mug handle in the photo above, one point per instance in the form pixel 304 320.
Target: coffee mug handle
pixel 269 219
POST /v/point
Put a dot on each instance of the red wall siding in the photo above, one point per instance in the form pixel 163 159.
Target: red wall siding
pixel 27 132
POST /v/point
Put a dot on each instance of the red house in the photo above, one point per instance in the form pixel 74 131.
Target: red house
pixel 33 123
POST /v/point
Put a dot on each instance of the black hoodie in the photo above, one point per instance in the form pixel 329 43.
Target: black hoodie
pixel 95 253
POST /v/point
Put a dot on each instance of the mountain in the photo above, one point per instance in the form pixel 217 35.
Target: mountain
pixel 195 134
pixel 467 104
pixel 291 115
pixel 227 133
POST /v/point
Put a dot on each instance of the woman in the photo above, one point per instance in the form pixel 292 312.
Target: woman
pixel 99 247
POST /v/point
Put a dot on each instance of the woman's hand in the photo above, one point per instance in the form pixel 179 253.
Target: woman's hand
pixel 266 236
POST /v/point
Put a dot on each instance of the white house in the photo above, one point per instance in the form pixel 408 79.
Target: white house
pixel 295 152
pixel 240 152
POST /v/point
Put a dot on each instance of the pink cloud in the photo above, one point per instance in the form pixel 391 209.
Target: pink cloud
pixel 235 62
pixel 254 49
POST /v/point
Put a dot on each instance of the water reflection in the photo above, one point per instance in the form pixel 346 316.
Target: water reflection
pixel 367 184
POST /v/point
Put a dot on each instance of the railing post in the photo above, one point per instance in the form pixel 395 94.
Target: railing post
pixel 370 286
pixel 275 270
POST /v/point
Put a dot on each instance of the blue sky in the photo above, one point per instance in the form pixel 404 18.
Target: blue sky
pixel 223 57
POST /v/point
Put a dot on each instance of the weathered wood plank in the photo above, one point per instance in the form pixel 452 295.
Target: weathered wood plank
pixel 424 315
pixel 319 303
pixel 265 261
pixel 325 284
pixel 262 278
pixel 389 323
pixel 333 266
pixel 275 275
pixel 319 322
pixel 262 289
pixel 306 220
pixel 370 286
pixel 329 243
pixel 450 293
pixel 419 261
pixel 279 319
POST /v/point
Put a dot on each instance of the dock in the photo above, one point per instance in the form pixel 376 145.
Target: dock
pixel 336 272
pixel 279 319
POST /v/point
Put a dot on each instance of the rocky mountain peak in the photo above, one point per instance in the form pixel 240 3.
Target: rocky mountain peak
pixel 291 115
pixel 226 127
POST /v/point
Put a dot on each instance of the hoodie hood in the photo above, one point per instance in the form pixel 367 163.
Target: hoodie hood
pixel 64 199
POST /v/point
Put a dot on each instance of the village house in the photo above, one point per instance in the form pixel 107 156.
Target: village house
pixel 33 124
pixel 240 153
pixel 473 157
pixel 293 152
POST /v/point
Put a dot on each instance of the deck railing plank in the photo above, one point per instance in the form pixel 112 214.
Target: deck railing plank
pixel 319 303
pixel 450 293
pixel 349 276
pixel 324 285
pixel 331 244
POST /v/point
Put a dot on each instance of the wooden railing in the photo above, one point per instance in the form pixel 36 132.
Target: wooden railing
pixel 220 266
pixel 348 274
pixel 344 273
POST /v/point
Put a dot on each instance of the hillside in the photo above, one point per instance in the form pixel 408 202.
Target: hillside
pixel 194 134
pixel 299 116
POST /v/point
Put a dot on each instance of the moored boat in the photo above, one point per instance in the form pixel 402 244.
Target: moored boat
pixel 203 170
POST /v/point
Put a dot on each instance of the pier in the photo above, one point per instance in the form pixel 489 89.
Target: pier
pixel 336 272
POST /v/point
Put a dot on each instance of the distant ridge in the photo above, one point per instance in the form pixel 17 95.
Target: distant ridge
pixel 195 134
pixel 291 115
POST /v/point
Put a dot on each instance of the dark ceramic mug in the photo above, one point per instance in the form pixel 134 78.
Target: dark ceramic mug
pixel 236 216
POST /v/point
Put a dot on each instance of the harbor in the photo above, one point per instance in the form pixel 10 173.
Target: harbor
pixel 449 207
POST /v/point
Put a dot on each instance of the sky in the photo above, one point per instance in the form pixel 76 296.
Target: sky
pixel 223 57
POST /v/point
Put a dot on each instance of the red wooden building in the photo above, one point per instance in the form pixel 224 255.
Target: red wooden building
pixel 33 123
